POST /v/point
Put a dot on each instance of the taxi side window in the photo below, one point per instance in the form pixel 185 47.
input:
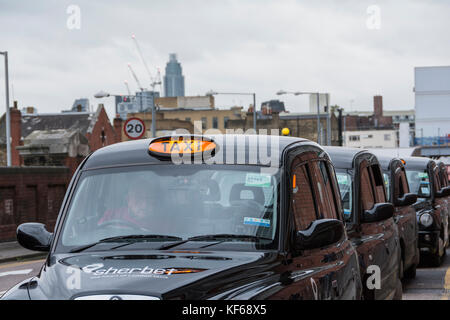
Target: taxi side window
pixel 378 183
pixel 366 191
pixel 442 178
pixel 303 204
pixel 437 181
pixel 335 191
pixel 402 183
pixel 323 188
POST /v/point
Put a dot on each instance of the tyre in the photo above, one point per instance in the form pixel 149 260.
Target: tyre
pixel 399 291
pixel 410 273
pixel 436 258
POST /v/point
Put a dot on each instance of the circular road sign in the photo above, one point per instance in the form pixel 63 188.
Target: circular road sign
pixel 134 128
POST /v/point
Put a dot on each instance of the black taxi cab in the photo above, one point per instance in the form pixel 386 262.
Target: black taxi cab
pixel 197 217
pixel 431 208
pixel 443 178
pixel 398 193
pixel 369 220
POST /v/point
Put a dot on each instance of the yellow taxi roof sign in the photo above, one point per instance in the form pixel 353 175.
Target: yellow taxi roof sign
pixel 166 146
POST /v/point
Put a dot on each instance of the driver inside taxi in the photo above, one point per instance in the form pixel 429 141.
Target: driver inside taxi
pixel 139 211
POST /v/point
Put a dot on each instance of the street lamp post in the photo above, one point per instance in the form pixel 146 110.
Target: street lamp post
pixel 212 93
pixel 103 94
pixel 8 120
pixel 318 109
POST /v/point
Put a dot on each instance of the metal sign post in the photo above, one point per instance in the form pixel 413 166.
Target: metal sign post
pixel 8 120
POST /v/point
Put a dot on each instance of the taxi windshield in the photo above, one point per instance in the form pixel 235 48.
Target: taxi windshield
pixel 177 201
pixel 419 182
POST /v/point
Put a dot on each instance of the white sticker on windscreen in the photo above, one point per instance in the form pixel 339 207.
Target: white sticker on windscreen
pixel 257 180
pixel 257 222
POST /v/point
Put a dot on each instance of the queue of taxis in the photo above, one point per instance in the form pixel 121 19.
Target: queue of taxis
pixel 398 193
pixel 238 217
pixel 431 208
pixel 195 217
pixel 369 219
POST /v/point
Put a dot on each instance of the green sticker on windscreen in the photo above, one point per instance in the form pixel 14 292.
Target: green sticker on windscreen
pixel 422 175
pixel 257 180
pixel 343 179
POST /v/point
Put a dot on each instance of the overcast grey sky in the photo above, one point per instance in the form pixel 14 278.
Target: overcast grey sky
pixel 245 45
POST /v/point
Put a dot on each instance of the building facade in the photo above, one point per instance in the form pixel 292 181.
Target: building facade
pixel 63 128
pixel 173 79
pixel 371 139
pixel 432 103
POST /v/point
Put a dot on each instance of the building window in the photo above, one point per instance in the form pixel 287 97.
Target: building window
pixel 215 123
pixel 188 119
pixel 225 120
pixel 354 138
pixel 387 137
pixel 204 123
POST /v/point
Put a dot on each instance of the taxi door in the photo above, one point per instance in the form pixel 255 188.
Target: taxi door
pixel 326 273
pixel 376 242
pixel 405 217
pixel 440 207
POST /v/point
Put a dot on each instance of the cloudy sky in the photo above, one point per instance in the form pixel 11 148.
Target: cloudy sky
pixel 353 49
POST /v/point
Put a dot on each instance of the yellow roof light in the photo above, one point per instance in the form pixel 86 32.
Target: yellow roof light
pixel 166 146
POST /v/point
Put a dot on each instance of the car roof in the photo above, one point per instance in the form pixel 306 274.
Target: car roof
pixel 343 157
pixel 136 152
pixel 417 163
pixel 385 161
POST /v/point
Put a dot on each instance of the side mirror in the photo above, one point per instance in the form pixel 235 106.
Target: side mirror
pixel 321 233
pixel 407 200
pixel 444 192
pixel 34 236
pixel 379 212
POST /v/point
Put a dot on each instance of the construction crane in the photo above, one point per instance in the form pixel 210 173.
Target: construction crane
pixel 128 88
pixel 135 77
pixel 154 81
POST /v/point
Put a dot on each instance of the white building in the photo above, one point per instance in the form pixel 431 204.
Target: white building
pixel 432 94
pixel 371 139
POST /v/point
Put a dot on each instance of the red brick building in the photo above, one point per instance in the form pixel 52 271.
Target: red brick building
pixel 95 128
pixel 355 122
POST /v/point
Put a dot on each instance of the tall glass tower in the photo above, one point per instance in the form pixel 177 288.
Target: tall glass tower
pixel 173 79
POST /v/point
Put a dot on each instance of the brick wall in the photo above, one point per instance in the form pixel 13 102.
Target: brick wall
pixel 30 194
pixel 103 133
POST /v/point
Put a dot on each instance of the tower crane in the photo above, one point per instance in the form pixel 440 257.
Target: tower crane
pixel 128 88
pixel 154 81
pixel 135 77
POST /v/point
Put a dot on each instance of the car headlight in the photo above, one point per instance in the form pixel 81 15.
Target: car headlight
pixel 426 220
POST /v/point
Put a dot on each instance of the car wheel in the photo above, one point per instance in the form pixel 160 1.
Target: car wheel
pixel 436 258
pixel 400 269
pixel 410 273
pixel 399 291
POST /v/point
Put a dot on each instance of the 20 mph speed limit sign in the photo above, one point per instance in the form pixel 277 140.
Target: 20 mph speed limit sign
pixel 134 128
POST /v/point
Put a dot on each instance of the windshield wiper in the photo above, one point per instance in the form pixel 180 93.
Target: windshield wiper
pixel 132 237
pixel 220 237
pixel 227 236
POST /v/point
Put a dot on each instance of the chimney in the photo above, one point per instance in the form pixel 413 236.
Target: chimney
pixel 16 134
pixel 79 107
pixel 378 106
pixel 118 127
